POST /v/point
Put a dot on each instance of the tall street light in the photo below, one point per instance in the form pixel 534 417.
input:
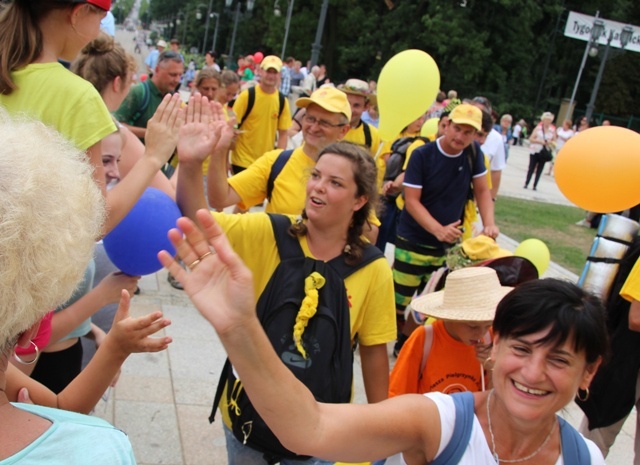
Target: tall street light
pixel 206 26
pixel 278 12
pixel 228 3
pixel 210 15
pixel 625 37
pixel 317 44
pixel 596 32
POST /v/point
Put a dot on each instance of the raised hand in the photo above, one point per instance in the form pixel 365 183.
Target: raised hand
pixel 132 335
pixel 163 128
pixel 216 280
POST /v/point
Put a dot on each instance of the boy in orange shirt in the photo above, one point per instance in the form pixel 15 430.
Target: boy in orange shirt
pixel 449 355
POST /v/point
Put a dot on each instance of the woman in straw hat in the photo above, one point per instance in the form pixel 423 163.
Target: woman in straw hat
pixel 448 355
pixel 549 339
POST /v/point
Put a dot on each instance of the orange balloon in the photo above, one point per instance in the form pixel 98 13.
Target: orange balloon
pixel 599 169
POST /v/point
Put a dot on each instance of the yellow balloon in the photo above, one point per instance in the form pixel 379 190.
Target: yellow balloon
pixel 536 252
pixel 407 86
pixel 599 169
pixel 430 127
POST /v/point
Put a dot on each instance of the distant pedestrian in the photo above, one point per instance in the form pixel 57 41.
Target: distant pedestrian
pixel 544 135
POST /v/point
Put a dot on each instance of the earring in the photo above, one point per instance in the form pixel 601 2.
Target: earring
pixel 347 249
pixel 17 357
pixel 585 396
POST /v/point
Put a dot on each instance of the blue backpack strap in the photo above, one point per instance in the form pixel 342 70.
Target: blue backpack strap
pixel 276 168
pixel 574 448
pixel 288 246
pixel 251 101
pixel 459 441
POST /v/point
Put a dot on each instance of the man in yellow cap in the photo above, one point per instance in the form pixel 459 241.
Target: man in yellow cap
pixel 262 112
pixel 326 120
pixel 360 99
pixel 437 185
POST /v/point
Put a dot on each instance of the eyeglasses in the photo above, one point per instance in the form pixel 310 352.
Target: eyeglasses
pixel 307 118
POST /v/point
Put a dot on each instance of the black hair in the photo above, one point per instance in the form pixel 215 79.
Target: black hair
pixel 487 121
pixel 569 312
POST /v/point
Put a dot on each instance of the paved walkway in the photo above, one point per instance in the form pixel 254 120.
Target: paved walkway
pixel 163 401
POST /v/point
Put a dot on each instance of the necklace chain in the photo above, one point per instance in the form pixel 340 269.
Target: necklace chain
pixel 493 440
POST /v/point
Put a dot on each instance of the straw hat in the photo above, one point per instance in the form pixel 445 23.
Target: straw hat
pixel 470 294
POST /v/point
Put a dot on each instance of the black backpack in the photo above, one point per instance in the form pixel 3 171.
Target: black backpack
pixel 399 155
pixel 327 370
pixel 252 100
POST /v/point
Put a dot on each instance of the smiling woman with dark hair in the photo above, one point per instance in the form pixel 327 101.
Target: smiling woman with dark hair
pixel 549 339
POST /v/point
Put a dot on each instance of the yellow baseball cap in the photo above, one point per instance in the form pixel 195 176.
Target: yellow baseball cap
pixel 271 61
pixel 329 98
pixel 467 114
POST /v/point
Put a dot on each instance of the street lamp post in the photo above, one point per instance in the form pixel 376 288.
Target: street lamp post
pixel 215 31
pixel 228 3
pixel 595 35
pixel 317 44
pixel 206 27
pixel 625 37
pixel 277 12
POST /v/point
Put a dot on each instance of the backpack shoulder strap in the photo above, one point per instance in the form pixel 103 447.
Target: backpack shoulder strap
pixel 459 441
pixel 222 382
pixel 428 342
pixel 281 103
pixel 288 246
pixel 574 448
pixel 146 97
pixel 367 134
pixel 370 253
pixel 250 102
pixel 276 168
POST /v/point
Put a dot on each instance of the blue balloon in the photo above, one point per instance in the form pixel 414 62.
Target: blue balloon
pixel 133 245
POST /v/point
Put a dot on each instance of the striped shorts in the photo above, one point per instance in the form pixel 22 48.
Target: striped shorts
pixel 412 267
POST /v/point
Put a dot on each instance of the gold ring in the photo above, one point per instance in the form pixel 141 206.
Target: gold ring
pixel 193 264
pixel 205 255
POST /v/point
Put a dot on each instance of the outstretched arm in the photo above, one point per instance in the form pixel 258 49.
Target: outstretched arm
pixel 220 286
pixel 127 335
pixel 161 139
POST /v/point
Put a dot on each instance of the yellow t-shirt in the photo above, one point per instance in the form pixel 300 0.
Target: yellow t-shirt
pixel 260 127
pixel 54 95
pixel 631 289
pixel 289 188
pixel 369 290
pixel 356 135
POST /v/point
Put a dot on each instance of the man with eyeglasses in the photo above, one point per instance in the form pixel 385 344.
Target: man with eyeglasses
pixel 326 121
pixel 144 98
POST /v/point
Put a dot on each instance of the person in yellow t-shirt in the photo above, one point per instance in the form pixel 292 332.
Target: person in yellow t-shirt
pixel 259 127
pixel 360 99
pixel 340 195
